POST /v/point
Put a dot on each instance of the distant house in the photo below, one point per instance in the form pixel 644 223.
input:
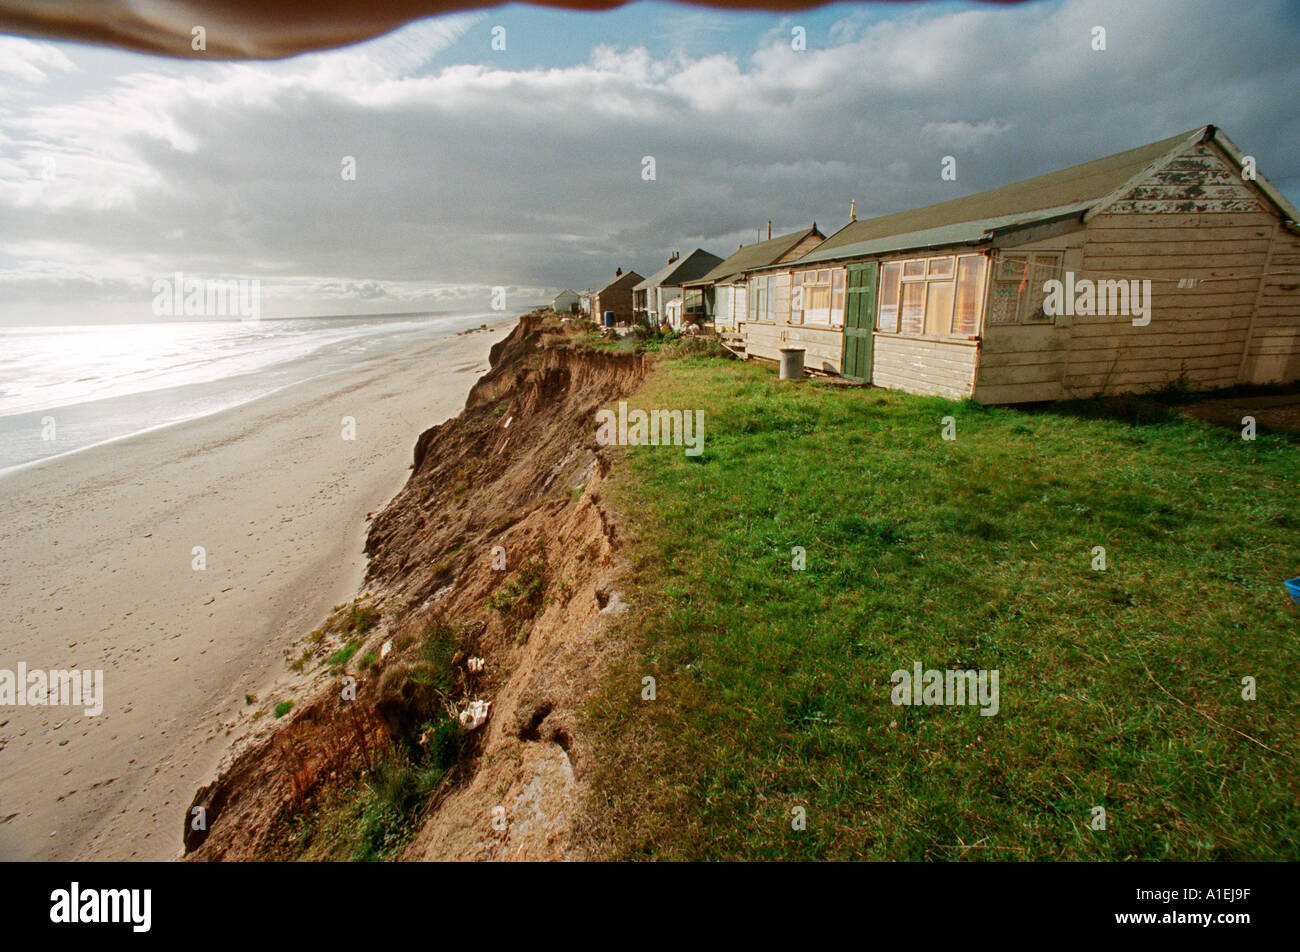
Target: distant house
pixel 616 296
pixel 722 289
pixel 566 302
pixel 584 301
pixel 652 295
pixel 1172 262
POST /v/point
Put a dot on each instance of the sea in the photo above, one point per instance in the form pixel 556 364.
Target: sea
pixel 66 388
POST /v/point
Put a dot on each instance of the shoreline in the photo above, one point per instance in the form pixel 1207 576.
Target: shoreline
pixel 100 576
pixel 185 392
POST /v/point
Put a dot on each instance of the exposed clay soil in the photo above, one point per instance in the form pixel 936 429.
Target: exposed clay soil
pixel 519 469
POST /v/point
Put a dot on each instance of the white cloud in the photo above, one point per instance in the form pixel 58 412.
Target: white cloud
pixel 474 175
pixel 31 62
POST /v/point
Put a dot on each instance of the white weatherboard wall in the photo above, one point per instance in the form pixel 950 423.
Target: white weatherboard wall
pixel 763 338
pixel 924 365
pixel 823 345
pixel 1273 352
pixel 1196 333
pixel 1025 362
pixel 1235 320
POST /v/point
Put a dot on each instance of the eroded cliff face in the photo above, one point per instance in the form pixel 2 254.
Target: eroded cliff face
pixel 500 540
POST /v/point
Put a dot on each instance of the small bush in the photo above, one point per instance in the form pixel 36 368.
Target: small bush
pixel 362 618
pixel 339 659
pixel 521 597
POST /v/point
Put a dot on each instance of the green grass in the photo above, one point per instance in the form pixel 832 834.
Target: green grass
pixel 658 340
pixel 339 659
pixel 1119 688
pixel 283 708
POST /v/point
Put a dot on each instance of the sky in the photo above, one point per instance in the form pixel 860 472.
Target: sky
pixel 524 168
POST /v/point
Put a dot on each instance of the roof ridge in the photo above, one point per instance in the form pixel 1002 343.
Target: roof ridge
pixel 1083 182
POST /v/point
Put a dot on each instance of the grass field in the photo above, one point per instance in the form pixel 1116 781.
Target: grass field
pixel 1120 688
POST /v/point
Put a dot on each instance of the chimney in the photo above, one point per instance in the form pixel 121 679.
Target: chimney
pixel 618 273
pixel 769 229
pixel 853 210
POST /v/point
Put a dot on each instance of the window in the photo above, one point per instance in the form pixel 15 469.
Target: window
pixel 912 313
pixel 888 319
pixel 762 294
pixel 817 297
pixel 1018 288
pixel 970 283
pixel 1043 269
pixel 938 307
pixel 940 267
pixel 935 297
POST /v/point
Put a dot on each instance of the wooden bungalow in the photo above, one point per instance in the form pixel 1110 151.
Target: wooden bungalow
pixel 723 289
pixel 651 296
pixel 566 302
pixel 615 296
pixel 1175 261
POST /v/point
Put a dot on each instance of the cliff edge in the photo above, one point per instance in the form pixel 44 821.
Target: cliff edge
pixel 493 578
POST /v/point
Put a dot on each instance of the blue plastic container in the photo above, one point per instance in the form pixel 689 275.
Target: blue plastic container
pixel 609 318
pixel 1293 586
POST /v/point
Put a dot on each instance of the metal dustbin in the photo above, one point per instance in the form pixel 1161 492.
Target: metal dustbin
pixel 609 318
pixel 792 363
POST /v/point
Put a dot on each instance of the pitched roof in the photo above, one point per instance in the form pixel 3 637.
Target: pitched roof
pixel 754 256
pixel 945 236
pixel 1058 194
pixel 621 281
pixel 675 273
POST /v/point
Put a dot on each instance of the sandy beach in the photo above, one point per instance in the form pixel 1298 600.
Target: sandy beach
pixel 98 574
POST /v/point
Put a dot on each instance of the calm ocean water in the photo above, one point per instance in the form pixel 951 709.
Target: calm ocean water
pixel 87 384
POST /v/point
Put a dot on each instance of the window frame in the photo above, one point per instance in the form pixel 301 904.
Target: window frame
pixel 829 316
pixel 1023 316
pixel 761 287
pixel 921 266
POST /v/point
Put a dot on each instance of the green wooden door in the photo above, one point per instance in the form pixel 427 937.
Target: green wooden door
pixel 859 318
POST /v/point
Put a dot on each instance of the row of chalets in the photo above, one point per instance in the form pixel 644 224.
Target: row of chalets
pixel 1173 263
